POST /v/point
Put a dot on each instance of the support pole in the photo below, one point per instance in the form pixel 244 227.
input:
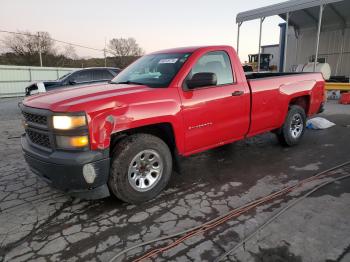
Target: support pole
pixel 39 48
pixel 285 44
pixel 259 58
pixel 318 35
pixel 238 33
pixel 340 58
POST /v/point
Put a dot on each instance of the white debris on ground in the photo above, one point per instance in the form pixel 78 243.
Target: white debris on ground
pixel 319 123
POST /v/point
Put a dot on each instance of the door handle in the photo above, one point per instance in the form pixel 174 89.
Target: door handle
pixel 237 93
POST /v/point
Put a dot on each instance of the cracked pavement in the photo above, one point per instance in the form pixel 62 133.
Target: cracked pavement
pixel 38 223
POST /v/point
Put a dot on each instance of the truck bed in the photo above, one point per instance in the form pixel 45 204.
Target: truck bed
pixel 272 92
pixel 251 76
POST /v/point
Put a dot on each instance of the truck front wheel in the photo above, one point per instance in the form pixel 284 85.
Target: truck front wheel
pixel 294 126
pixel 141 168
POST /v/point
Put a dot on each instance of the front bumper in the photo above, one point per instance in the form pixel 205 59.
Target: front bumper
pixel 64 170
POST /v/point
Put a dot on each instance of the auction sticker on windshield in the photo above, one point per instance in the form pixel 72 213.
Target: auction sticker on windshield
pixel 168 61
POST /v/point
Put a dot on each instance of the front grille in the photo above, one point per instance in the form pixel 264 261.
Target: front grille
pixel 39 138
pixel 34 118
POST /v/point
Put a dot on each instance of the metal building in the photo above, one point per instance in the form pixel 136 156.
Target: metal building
pixel 316 30
pixel 274 50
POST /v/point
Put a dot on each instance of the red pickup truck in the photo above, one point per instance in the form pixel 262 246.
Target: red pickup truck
pixel 122 137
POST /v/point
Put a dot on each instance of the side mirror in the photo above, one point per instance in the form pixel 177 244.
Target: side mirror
pixel 201 80
pixel 72 82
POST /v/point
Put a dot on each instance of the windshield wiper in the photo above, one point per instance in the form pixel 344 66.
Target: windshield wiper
pixel 128 83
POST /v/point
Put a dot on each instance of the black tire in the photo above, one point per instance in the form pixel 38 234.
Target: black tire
pixel 285 135
pixel 124 153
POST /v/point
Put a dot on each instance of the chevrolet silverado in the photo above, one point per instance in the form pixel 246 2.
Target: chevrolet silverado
pixel 123 137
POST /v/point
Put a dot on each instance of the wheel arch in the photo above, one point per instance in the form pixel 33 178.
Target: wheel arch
pixel 303 101
pixel 164 131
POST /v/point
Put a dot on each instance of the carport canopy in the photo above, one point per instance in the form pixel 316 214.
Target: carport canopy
pixel 300 14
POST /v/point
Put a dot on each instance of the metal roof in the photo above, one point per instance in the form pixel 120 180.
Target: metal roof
pixel 303 13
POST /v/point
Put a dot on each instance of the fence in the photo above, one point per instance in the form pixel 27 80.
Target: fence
pixel 14 79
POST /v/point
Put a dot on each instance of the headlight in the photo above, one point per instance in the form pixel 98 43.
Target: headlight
pixel 72 142
pixel 68 122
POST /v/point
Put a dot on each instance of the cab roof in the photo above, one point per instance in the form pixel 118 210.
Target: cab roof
pixel 189 49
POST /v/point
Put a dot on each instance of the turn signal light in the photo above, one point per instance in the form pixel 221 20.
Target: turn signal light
pixel 79 141
pixel 71 142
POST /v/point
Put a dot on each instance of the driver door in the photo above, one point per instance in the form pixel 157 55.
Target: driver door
pixel 214 115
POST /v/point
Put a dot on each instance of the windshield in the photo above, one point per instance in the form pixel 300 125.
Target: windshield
pixel 64 76
pixel 156 70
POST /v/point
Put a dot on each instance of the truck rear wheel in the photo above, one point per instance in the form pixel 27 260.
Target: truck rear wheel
pixel 141 168
pixel 293 128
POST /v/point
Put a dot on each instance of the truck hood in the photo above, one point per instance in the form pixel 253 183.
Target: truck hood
pixel 77 98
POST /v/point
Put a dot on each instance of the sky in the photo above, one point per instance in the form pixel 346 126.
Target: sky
pixel 155 24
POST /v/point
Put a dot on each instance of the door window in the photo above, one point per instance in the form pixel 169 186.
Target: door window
pixel 83 76
pixel 101 74
pixel 217 62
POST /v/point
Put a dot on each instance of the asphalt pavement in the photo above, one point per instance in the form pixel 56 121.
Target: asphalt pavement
pixel 38 223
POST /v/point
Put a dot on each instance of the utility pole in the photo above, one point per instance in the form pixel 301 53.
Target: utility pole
pixel 39 48
pixel 104 52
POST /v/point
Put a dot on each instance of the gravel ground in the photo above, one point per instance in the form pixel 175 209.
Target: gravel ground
pixel 38 223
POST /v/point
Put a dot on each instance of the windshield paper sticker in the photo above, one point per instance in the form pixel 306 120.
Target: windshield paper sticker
pixel 168 61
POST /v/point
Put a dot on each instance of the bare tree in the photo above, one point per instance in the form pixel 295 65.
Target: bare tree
pixel 70 52
pixel 28 45
pixel 122 48
pixel 67 56
pixel 25 43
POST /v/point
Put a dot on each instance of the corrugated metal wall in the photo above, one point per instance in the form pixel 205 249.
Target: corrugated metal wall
pixel 275 51
pixel 14 79
pixel 331 43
